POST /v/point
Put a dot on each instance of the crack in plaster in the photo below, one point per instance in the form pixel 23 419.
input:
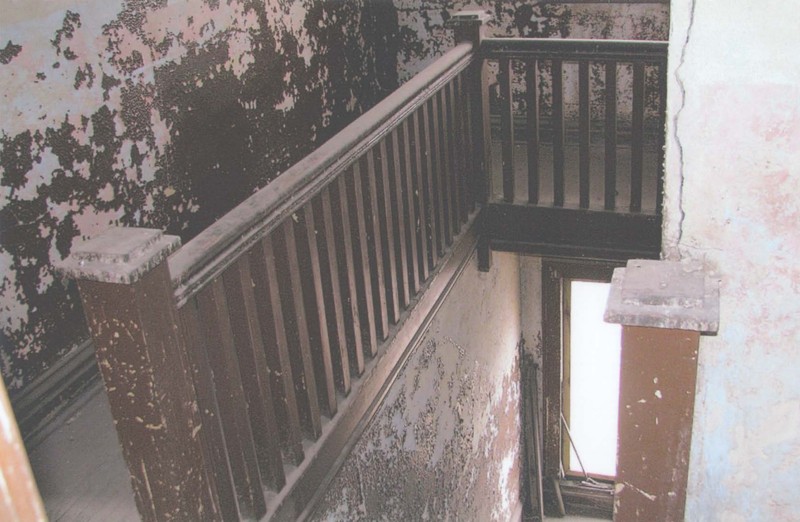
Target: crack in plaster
pixel 675 133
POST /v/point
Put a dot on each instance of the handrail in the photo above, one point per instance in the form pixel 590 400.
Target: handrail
pixel 575 49
pixel 219 245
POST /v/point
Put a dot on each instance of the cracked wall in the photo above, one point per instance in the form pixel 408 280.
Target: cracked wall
pixel 159 114
pixel 445 442
pixel 733 176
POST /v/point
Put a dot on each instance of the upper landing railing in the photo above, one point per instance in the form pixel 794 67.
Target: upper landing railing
pixel 240 366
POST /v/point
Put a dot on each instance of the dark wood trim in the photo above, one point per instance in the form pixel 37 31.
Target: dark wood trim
pixel 298 500
pixel 565 232
pixel 53 392
pixel 574 49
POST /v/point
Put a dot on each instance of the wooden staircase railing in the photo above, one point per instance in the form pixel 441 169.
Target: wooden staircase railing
pixel 226 360
pixel 566 111
pixel 241 366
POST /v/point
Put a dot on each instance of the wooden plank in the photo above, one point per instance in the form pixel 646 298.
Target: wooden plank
pixel 573 50
pixel 584 135
pixel 409 174
pixel 363 283
pixel 551 373
pixel 465 140
pixel 268 302
pixel 532 138
pixel 507 128
pixel 610 134
pixel 556 231
pixel 347 265
pixel 445 132
pixel 387 217
pixel 637 137
pixel 455 151
pixel 421 162
pixel 233 412
pixel 333 294
pixel 376 243
pixel 428 194
pixel 305 384
pixel 558 133
pixel 247 339
pixel 211 435
pixel 321 348
pixel 435 150
pixel 396 175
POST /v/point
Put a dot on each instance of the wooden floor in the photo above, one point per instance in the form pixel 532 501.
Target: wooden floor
pixel 79 467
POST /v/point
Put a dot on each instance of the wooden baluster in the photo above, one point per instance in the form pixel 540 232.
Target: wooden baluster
pixel 333 293
pixel 233 412
pixel 387 217
pixel 454 158
pixel 465 174
pixel 305 384
pixel 610 135
pixel 435 151
pixel 315 304
pixel 444 157
pixel 428 194
pixel 558 133
pixel 216 467
pixel 408 170
pixel 532 97
pixel 347 266
pixel 264 272
pixel 246 329
pixel 584 131
pixel 420 170
pixel 507 128
pixel 364 283
pixel 396 180
pixel 376 242
pixel 661 133
pixel 637 137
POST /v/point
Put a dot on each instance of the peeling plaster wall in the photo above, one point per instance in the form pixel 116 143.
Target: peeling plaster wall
pixel 161 114
pixel 424 36
pixel 733 166
pixel 445 442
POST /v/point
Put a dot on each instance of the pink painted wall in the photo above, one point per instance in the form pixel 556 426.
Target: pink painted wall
pixel 733 179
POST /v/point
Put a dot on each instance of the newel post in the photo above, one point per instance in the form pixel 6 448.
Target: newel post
pixel 470 26
pixel 127 297
pixel 663 306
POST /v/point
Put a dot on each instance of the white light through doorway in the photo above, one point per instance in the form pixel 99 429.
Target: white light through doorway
pixel 594 383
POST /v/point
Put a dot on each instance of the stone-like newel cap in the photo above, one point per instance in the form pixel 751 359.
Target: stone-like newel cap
pixel 467 17
pixel 664 294
pixel 118 255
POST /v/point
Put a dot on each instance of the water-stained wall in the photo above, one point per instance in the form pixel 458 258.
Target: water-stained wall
pixel 445 442
pixel 161 114
pixel 733 179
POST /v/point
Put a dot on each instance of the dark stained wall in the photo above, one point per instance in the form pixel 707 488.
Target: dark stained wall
pixel 157 114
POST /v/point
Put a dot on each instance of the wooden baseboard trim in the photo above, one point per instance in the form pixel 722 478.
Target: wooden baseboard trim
pixel 53 391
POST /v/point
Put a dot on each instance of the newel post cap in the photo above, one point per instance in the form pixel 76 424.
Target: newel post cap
pixel 678 295
pixel 118 255
pixel 468 17
pixel 468 25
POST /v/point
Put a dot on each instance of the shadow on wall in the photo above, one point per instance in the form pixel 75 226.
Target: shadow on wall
pixel 161 115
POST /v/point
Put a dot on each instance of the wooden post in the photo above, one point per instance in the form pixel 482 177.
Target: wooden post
pixel 127 297
pixel 663 307
pixel 470 26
